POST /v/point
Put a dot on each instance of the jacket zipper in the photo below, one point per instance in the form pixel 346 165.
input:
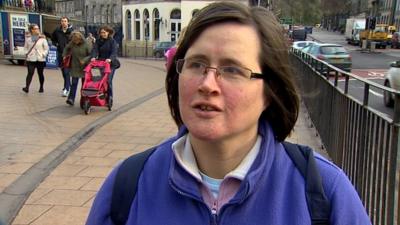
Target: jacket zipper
pixel 214 211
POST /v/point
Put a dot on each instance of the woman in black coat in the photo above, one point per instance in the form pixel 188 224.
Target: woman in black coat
pixel 106 48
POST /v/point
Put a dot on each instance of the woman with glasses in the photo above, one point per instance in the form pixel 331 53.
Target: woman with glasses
pixel 232 96
pixel 36 49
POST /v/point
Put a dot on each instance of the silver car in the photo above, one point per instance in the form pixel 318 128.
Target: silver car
pixel 392 80
pixel 333 54
pixel 299 45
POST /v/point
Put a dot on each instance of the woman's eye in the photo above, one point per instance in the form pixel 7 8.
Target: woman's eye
pixel 232 70
pixel 194 65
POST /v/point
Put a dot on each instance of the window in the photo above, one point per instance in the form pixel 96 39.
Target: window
pixel 87 12
pixel 101 14
pixel 194 12
pixel 175 24
pixel 114 14
pixel 137 25
pixel 94 14
pixel 146 24
pixel 156 25
pixel 128 25
pixel 176 14
pixel 108 14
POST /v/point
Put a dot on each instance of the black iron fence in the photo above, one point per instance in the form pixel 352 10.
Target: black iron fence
pixel 361 140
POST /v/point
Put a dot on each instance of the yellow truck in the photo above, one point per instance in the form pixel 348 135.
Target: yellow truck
pixel 379 35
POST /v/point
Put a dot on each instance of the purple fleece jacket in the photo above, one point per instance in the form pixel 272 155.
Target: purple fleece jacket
pixel 273 193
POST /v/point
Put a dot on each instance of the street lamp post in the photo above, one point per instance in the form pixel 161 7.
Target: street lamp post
pixel 146 34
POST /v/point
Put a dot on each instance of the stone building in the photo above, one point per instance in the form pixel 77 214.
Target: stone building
pixel 100 12
pixel 40 6
pixel 93 13
pixel 385 11
pixel 147 22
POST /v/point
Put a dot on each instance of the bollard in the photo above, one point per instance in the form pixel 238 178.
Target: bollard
pixel 364 44
pixel 372 46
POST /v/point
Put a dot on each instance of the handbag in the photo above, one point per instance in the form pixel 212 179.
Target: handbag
pixel 115 64
pixel 66 63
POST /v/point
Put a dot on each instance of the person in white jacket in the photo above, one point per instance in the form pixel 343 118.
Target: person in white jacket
pixel 36 48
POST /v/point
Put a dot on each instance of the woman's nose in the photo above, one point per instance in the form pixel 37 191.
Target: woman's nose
pixel 209 83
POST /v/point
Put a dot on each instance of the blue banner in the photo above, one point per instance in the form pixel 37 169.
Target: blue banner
pixel 35 18
pixel 6 34
pixel 51 60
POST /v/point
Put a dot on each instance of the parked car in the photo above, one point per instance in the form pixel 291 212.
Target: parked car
pixel 308 29
pixel 298 34
pixel 306 48
pixel 395 43
pixel 392 80
pixel 299 45
pixel 161 47
pixel 333 54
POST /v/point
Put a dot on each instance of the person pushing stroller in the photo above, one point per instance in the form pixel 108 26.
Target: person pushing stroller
pixel 106 48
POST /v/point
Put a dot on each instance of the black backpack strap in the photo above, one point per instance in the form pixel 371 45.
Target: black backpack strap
pixel 318 203
pixel 125 186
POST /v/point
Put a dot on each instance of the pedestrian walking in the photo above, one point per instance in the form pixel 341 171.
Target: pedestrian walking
pixel 37 49
pixel 80 56
pixel 106 48
pixel 60 38
pixel 233 98
pixel 90 40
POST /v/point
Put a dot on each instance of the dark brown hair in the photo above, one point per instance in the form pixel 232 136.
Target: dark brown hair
pixel 64 17
pixel 280 90
pixel 106 28
pixel 31 26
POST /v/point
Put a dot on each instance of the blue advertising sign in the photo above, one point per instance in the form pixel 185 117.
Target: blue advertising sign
pixel 6 35
pixel 19 37
pixel 34 18
pixel 51 60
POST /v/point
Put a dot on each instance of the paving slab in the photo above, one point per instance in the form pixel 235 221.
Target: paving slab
pixel 38 129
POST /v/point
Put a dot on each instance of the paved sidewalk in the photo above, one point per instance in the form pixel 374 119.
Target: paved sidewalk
pixel 65 196
pixel 38 130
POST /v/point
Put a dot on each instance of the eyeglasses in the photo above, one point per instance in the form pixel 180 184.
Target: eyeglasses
pixel 229 73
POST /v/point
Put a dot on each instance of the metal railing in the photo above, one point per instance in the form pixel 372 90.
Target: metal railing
pixel 361 140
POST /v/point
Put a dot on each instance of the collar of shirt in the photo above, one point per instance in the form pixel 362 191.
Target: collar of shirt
pixel 185 157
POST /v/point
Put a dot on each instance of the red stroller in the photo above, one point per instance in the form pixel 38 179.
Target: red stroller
pixel 94 90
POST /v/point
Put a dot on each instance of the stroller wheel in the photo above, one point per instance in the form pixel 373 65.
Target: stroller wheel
pixel 110 103
pixel 86 107
pixel 81 103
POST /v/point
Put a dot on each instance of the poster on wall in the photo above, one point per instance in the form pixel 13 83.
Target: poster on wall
pixel 19 26
pixel 19 37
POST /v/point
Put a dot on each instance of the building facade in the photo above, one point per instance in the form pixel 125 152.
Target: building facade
pixel 93 13
pixel 385 11
pixel 40 6
pixel 146 23
pixel 101 12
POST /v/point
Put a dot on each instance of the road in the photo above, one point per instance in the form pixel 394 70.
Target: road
pixel 369 65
